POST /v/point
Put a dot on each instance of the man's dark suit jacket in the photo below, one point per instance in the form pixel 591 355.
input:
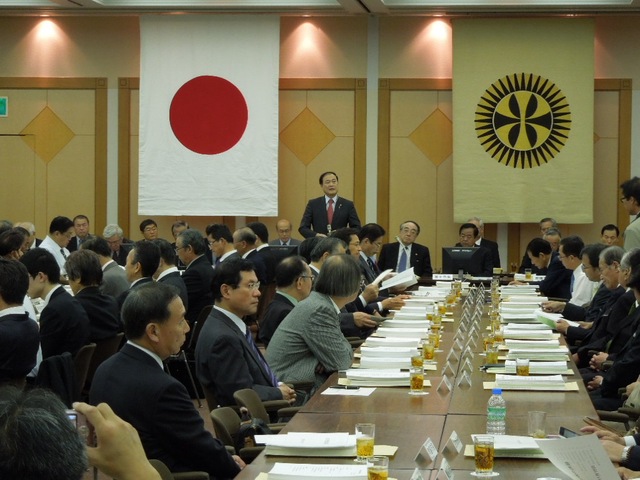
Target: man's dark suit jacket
pixel 123 296
pixel 602 299
pixel 73 243
pixel 557 283
pixel 270 262
pixel 493 248
pixel 103 313
pixel 175 279
pixel 279 307
pixel 121 255
pixel 19 342
pixel 420 259
pixel 314 220
pixel 259 266
pixel 625 368
pixel 197 278
pixel 159 408
pixel 226 363
pixel 64 325
pixel 526 263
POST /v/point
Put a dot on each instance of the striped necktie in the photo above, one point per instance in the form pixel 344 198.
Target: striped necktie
pixel 263 362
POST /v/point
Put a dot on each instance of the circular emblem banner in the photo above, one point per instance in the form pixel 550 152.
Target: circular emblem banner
pixel 523 120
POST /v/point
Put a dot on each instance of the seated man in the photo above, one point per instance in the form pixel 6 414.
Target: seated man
pixel 483 242
pixel 19 339
pixel 81 229
pixel 167 271
pixel 546 224
pixel 557 282
pixel 149 229
pixel 220 242
pixel 609 234
pixel 114 278
pixel 410 255
pixel 85 275
pixel 60 233
pixel 581 287
pixel 244 241
pixel 227 358
pixel 133 383
pixel 142 262
pixel 64 325
pixel 293 284
pixel 308 346
pixel 284 227
pixel 468 235
pixel 191 247
pixel 118 245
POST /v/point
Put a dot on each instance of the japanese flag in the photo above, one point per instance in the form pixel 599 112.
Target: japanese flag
pixel 209 115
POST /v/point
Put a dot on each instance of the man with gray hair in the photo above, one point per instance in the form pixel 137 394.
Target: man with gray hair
pixel 308 345
pixel 119 245
pixel 245 242
pixel 191 247
pixel 483 242
pixel 114 279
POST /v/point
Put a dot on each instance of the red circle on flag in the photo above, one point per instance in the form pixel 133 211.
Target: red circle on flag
pixel 208 115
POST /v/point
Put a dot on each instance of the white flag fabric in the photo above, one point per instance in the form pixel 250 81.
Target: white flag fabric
pixel 209 115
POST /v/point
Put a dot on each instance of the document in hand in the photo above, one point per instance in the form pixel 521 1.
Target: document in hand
pixel 404 279
pixel 580 457
pixel 290 471
pixel 308 444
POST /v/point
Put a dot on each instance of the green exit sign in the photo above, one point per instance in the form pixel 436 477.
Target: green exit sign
pixel 4 106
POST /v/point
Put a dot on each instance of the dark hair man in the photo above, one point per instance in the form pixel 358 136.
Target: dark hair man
pixel 85 275
pixel 329 212
pixel 227 358
pixel 190 247
pixel 81 229
pixel 64 325
pixel 136 387
pixel 220 242
pixel 167 271
pixel 609 234
pixel 60 233
pixel 149 229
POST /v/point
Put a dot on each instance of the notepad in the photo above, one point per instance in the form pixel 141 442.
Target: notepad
pixel 290 471
pixel 309 444
pixel 514 446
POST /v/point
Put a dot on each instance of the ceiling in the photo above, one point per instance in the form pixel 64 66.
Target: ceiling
pixel 320 7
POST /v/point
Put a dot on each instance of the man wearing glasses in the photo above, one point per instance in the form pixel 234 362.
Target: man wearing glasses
pixel 405 253
pixel 227 359
pixel 631 202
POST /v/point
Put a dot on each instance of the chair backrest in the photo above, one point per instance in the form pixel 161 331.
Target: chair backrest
pixel 226 423
pixel 249 398
pixel 81 366
pixel 104 349
pixel 197 327
pixel 212 401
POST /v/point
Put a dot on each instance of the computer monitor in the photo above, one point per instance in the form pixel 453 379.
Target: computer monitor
pixel 465 259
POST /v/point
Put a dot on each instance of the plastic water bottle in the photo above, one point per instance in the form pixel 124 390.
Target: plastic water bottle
pixel 496 413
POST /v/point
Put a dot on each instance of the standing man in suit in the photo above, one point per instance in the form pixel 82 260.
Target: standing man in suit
pixel 132 382
pixel 81 228
pixel 114 278
pixel 483 242
pixel 19 340
pixel 293 284
pixel 227 359
pixel 85 275
pixel 64 325
pixel 167 271
pixel 631 202
pixel 142 262
pixel 284 227
pixel 329 212
pixel 412 254
pixel 190 247
pixel 308 346
pixel 118 245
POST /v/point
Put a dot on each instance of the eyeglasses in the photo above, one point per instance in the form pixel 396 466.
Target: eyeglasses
pixel 306 276
pixel 251 286
pixel 179 248
pixel 622 199
pixel 211 242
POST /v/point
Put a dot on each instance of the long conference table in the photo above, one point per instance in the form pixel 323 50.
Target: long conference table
pixel 407 421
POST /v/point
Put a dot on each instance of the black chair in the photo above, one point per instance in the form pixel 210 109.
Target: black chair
pixel 104 349
pixel 226 423
pixel 81 363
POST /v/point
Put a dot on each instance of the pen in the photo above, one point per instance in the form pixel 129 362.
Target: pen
pixel 345 387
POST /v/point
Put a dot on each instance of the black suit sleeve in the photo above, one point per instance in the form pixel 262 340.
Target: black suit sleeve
pixel 354 221
pixel 182 431
pixel 306 223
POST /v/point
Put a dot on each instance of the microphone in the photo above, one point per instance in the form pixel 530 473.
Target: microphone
pixel 401 244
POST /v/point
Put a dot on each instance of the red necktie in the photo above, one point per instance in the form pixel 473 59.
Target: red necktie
pixel 330 211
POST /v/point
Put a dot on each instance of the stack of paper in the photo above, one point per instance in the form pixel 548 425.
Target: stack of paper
pixel 308 444
pixel 401 280
pixel 547 354
pixel 529 326
pixel 376 341
pixel 384 363
pixel 528 334
pixel 290 471
pixel 532 343
pixel 550 319
pixel 543 382
pixel 512 446
pixel 378 378
pixel 394 323
pixel 403 332
pixel 409 315
pixel 518 290
pixel 538 368
pixel 389 352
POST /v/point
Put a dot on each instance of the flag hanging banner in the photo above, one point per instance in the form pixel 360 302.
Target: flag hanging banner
pixel 523 119
pixel 209 115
